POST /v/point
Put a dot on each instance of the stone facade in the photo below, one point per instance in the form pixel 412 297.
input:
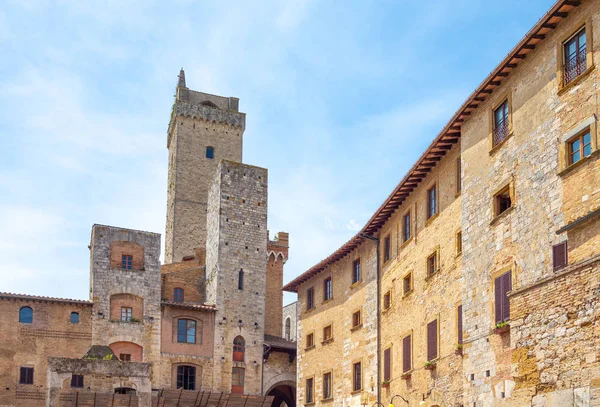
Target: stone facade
pixel 516 238
pixel 290 320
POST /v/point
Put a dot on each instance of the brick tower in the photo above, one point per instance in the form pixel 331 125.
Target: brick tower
pixel 236 263
pixel 203 130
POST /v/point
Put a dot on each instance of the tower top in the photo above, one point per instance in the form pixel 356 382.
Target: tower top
pixel 181 76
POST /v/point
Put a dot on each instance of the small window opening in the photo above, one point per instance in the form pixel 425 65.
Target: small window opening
pixel 210 152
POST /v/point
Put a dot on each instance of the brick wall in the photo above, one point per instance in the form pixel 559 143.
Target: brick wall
pixel 135 351
pixel 191 279
pixel 118 249
pixel 278 255
pixel 117 301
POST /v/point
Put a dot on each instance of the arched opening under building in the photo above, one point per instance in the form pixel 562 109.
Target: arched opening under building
pixel 284 393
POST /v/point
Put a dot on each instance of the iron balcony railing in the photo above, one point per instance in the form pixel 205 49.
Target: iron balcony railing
pixel 575 65
pixel 501 131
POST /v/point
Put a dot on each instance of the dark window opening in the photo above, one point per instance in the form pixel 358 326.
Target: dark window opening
pixel 327 289
pixel 210 152
pixel 309 390
pixel 327 386
pixel 407 283
pixel 502 201
pixel 239 348
pixel 386 249
pixel 432 266
pixel 77 381
pixel 288 328
pixel 501 128
pixel 406 354
pixel 575 56
pixel 186 331
pixel 459 242
pixel 26 375
pixel 458 176
pixel 406 227
pixel 387 365
pixel 125 357
pixel 431 202
pixel 502 285
pixel 387 300
pixel 310 340
pixel 126 262
pixel 327 333
pixel 26 315
pixel 460 324
pixel 560 255
pixel 356 319
pixel 357 377
pixel 125 390
pixel 186 377
pixel 432 340
pixel 356 271
pixel 178 295
pixel 241 279
pixel 310 298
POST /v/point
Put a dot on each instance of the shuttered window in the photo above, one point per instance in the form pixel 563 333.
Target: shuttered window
pixel 502 285
pixel 406 354
pixel 310 298
pixel 559 255
pixel 387 365
pixel 460 324
pixel 357 377
pixel 432 340
pixel 309 390
pixel 386 249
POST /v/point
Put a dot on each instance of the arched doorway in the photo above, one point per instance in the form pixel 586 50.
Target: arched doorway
pixel 284 393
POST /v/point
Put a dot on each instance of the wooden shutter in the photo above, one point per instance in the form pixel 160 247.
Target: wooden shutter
pixel 559 255
pixel 460 325
pixel 406 362
pixel 432 340
pixel 502 285
pixel 387 371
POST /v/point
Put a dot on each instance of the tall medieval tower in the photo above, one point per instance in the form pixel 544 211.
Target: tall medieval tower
pixel 204 129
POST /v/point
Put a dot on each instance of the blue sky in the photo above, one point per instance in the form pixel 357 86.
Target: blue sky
pixel 341 98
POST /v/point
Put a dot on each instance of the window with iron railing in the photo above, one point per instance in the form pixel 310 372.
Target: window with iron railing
pixel 501 128
pixel 575 56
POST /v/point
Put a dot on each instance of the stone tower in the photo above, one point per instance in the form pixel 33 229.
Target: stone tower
pixel 203 130
pixel 236 263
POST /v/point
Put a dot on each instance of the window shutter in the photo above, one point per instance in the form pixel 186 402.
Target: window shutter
pixel 460 325
pixel 386 365
pixel 559 255
pixel 432 340
pixel 507 287
pixel 406 365
pixel 498 298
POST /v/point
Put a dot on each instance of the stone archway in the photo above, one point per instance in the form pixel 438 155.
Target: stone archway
pixel 284 393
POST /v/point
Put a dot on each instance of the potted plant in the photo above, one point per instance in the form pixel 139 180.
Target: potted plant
pixel 459 349
pixel 385 383
pixel 502 327
pixel 430 365
pixel 405 376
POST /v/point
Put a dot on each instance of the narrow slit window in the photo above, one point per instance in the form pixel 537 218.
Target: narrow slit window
pixel 406 227
pixel 310 298
pixel 407 283
pixel 387 247
pixel 431 202
pixel 327 289
pixel 356 271
pixel 501 123
pixel 241 279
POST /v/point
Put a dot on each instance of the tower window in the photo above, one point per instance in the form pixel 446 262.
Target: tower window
pixel 288 328
pixel 186 331
pixel 239 349
pixel 237 380
pixel 126 262
pixel 26 375
pixel 178 294
pixel 125 357
pixel 126 313
pixel 241 279
pixel 186 377
pixel 26 315
pixel 77 381
pixel 74 317
pixel 356 271
pixel 210 152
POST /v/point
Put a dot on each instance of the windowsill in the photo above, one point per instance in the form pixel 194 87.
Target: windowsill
pixel 457 255
pixel 386 310
pixel 353 285
pixel 355 392
pixel 500 144
pixel 122 269
pixel 406 294
pixel 578 164
pixel 406 242
pixel 327 400
pixel 123 322
pixel 501 216
pixel 431 219
pixel 458 193
pixel 309 348
pixel 575 81
pixel 327 341
pixel 327 300
pixel 312 403
pixel 309 310
pixel 432 275
pixel 356 328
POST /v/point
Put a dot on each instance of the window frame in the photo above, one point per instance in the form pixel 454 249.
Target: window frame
pixel 583 24
pixel 209 152
pixel 327 339
pixel 387 300
pixel 26 375
pixel 186 334
pixel 459 324
pixel 458 242
pixel 311 336
pixel 507 187
pixel 387 248
pixel 356 272
pixel 241 280
pixel 579 137
pixel 329 394
pixel 357 378
pixel 435 256
pixel 310 298
pixel 178 294
pixel 432 211
pixel 435 348
pixel 406 352
pixel 586 125
pixel 558 248
pixel 353 321
pixel 309 384
pixel 240 373
pixel 504 304
pixel 387 364
pixel 74 313
pixel 77 381
pixel 458 179
pixel 408 275
pixel 128 314
pixel 505 97
pixel 406 227
pixel 126 262
pixel 327 289
pixel 22 319
pixel 125 357
pixel 180 376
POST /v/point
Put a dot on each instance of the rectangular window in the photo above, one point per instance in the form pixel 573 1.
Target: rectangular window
pixel 310 340
pixel 560 255
pixel 501 123
pixel 459 319
pixel 237 376
pixel 458 176
pixel 327 289
pixel 502 201
pixel 407 283
pixel 26 375
pixel 406 354
pixel 432 264
pixel 126 313
pixel 327 333
pixel 432 340
pixel 459 242
pixel 502 285
pixel 356 271
pixel 186 331
pixel 327 386
pixel 178 295
pixel 386 249
pixel 387 300
pixel 580 147
pixel 356 319
pixel 431 202
pixel 125 357
pixel 126 262
pixel 186 377
pixel 309 390
pixel 310 298
pixel 574 51
pixel 387 365
pixel 77 381
pixel 406 227
pixel 357 377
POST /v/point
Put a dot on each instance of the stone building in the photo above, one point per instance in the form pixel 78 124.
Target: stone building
pixel 208 319
pixel 290 320
pixel 480 271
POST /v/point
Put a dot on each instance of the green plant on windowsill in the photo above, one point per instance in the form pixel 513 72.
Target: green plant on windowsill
pixel 459 346
pixel 134 320
pixel 501 325
pixel 429 365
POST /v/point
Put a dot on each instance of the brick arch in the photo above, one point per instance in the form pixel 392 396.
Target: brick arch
pixel 199 327
pixel 175 365
pixel 131 348
pixel 135 302
pixel 118 248
pixel 283 379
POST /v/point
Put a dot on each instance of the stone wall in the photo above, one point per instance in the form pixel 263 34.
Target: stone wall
pixel 237 240
pixel 193 127
pixel 278 254
pixel 290 311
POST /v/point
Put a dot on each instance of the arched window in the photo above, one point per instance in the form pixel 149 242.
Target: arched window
pixel 178 295
pixel 74 317
pixel 26 315
pixel 239 348
pixel 210 152
pixel 186 377
pixel 288 328
pixel 186 331
pixel 241 279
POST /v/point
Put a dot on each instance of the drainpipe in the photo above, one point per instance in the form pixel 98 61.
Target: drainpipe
pixel 376 240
